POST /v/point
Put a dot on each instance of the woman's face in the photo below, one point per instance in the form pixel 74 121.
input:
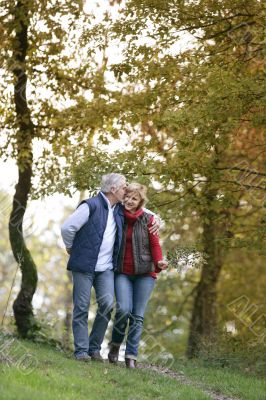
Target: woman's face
pixel 132 201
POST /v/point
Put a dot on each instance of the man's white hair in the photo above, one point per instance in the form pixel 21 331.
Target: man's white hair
pixel 111 180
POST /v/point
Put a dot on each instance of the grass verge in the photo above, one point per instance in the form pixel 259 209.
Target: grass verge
pixel 52 375
pixel 224 380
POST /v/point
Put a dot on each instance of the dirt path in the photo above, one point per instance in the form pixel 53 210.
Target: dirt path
pixel 183 379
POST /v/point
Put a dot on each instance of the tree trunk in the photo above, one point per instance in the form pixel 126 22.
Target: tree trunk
pixel 22 306
pixel 203 321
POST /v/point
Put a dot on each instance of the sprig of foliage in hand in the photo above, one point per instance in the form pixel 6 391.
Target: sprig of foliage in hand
pixel 184 257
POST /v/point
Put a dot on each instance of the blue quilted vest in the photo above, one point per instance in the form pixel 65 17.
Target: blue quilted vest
pixel 88 240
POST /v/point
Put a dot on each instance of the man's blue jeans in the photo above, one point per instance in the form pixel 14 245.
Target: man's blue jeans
pixel 132 296
pixel 103 283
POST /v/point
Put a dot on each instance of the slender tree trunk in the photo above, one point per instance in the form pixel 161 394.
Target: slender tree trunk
pixel 22 306
pixel 203 321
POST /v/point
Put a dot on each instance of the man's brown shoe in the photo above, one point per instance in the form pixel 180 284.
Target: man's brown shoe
pixel 82 357
pixel 96 356
pixel 113 353
pixel 130 363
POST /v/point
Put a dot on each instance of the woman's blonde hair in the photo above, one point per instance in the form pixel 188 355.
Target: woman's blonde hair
pixel 141 190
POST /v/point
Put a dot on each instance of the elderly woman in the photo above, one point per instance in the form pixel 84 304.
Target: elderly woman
pixel 140 260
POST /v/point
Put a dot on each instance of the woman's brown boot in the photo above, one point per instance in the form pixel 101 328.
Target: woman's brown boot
pixel 130 363
pixel 113 353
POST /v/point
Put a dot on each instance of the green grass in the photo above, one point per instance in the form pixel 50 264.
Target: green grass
pixel 224 380
pixel 58 377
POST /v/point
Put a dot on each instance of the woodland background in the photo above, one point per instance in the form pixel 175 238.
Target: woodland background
pixel 171 94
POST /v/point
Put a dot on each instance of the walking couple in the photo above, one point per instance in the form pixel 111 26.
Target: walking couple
pixel 114 247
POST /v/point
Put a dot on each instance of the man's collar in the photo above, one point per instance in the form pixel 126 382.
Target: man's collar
pixel 108 201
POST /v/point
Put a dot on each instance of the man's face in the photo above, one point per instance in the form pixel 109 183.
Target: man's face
pixel 120 191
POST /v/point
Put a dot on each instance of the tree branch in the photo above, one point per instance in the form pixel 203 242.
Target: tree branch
pixel 242 170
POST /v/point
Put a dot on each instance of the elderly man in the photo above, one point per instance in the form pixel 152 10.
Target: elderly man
pixel 92 236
